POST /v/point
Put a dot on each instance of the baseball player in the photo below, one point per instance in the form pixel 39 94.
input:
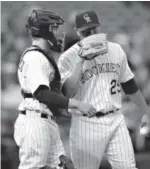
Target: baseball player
pixel 94 70
pixel 35 131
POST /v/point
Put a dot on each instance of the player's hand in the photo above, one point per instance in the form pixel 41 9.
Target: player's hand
pixel 86 109
pixel 145 125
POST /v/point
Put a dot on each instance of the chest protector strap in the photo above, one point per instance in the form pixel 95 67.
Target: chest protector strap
pixel 55 85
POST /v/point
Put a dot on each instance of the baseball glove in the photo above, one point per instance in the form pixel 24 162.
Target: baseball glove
pixel 66 162
pixel 93 46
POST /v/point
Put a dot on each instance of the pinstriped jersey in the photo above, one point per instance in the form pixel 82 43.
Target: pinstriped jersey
pixel 34 70
pixel 101 77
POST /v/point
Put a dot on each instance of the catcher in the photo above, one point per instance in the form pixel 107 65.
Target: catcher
pixel 35 131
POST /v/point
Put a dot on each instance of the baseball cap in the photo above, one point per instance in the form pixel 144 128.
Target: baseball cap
pixel 85 20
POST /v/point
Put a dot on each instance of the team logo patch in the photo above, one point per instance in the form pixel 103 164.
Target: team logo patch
pixel 87 18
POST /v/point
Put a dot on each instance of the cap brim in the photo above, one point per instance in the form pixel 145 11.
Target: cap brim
pixel 88 26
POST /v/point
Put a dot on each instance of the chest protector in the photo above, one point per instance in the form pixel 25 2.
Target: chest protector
pixel 55 84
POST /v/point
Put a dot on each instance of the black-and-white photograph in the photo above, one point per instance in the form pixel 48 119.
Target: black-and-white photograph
pixel 75 84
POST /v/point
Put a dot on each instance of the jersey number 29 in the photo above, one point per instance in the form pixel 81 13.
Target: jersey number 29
pixel 115 87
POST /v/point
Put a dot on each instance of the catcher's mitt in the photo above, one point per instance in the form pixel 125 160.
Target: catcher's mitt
pixel 92 46
pixel 66 162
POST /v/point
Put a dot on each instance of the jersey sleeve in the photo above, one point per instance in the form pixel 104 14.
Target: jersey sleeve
pixel 67 62
pixel 126 73
pixel 38 71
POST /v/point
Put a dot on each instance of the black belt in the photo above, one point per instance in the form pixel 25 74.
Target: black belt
pixel 100 114
pixel 43 115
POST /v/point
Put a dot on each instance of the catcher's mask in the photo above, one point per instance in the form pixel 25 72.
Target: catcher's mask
pixel 44 24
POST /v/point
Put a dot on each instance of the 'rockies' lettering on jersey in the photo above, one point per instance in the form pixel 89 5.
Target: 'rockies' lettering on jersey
pixel 99 68
pixel 100 77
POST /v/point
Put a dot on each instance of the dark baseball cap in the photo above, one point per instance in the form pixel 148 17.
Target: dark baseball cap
pixel 86 20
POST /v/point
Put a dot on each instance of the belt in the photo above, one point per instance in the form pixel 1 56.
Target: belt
pixel 42 115
pixel 100 114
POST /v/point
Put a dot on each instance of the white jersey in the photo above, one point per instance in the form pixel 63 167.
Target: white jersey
pixel 38 148
pixel 101 77
pixel 34 70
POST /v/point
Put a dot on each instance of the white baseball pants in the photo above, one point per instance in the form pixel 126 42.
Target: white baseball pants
pixel 38 140
pixel 91 138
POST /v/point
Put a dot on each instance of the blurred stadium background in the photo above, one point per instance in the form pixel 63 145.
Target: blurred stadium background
pixel 127 23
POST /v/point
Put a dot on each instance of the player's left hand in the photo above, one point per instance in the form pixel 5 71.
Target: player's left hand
pixel 86 109
pixel 91 113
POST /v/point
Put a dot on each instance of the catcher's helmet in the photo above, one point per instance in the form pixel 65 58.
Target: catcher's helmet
pixel 86 20
pixel 43 24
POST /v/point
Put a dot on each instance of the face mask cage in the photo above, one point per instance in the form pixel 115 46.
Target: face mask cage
pixel 45 24
pixel 44 20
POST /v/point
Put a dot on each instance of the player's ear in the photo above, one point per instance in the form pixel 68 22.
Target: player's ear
pixel 78 33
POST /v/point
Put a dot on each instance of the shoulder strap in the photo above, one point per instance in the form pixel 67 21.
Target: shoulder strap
pixel 50 59
pixel 55 84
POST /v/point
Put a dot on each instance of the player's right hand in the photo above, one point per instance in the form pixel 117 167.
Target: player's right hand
pixel 145 125
pixel 86 109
